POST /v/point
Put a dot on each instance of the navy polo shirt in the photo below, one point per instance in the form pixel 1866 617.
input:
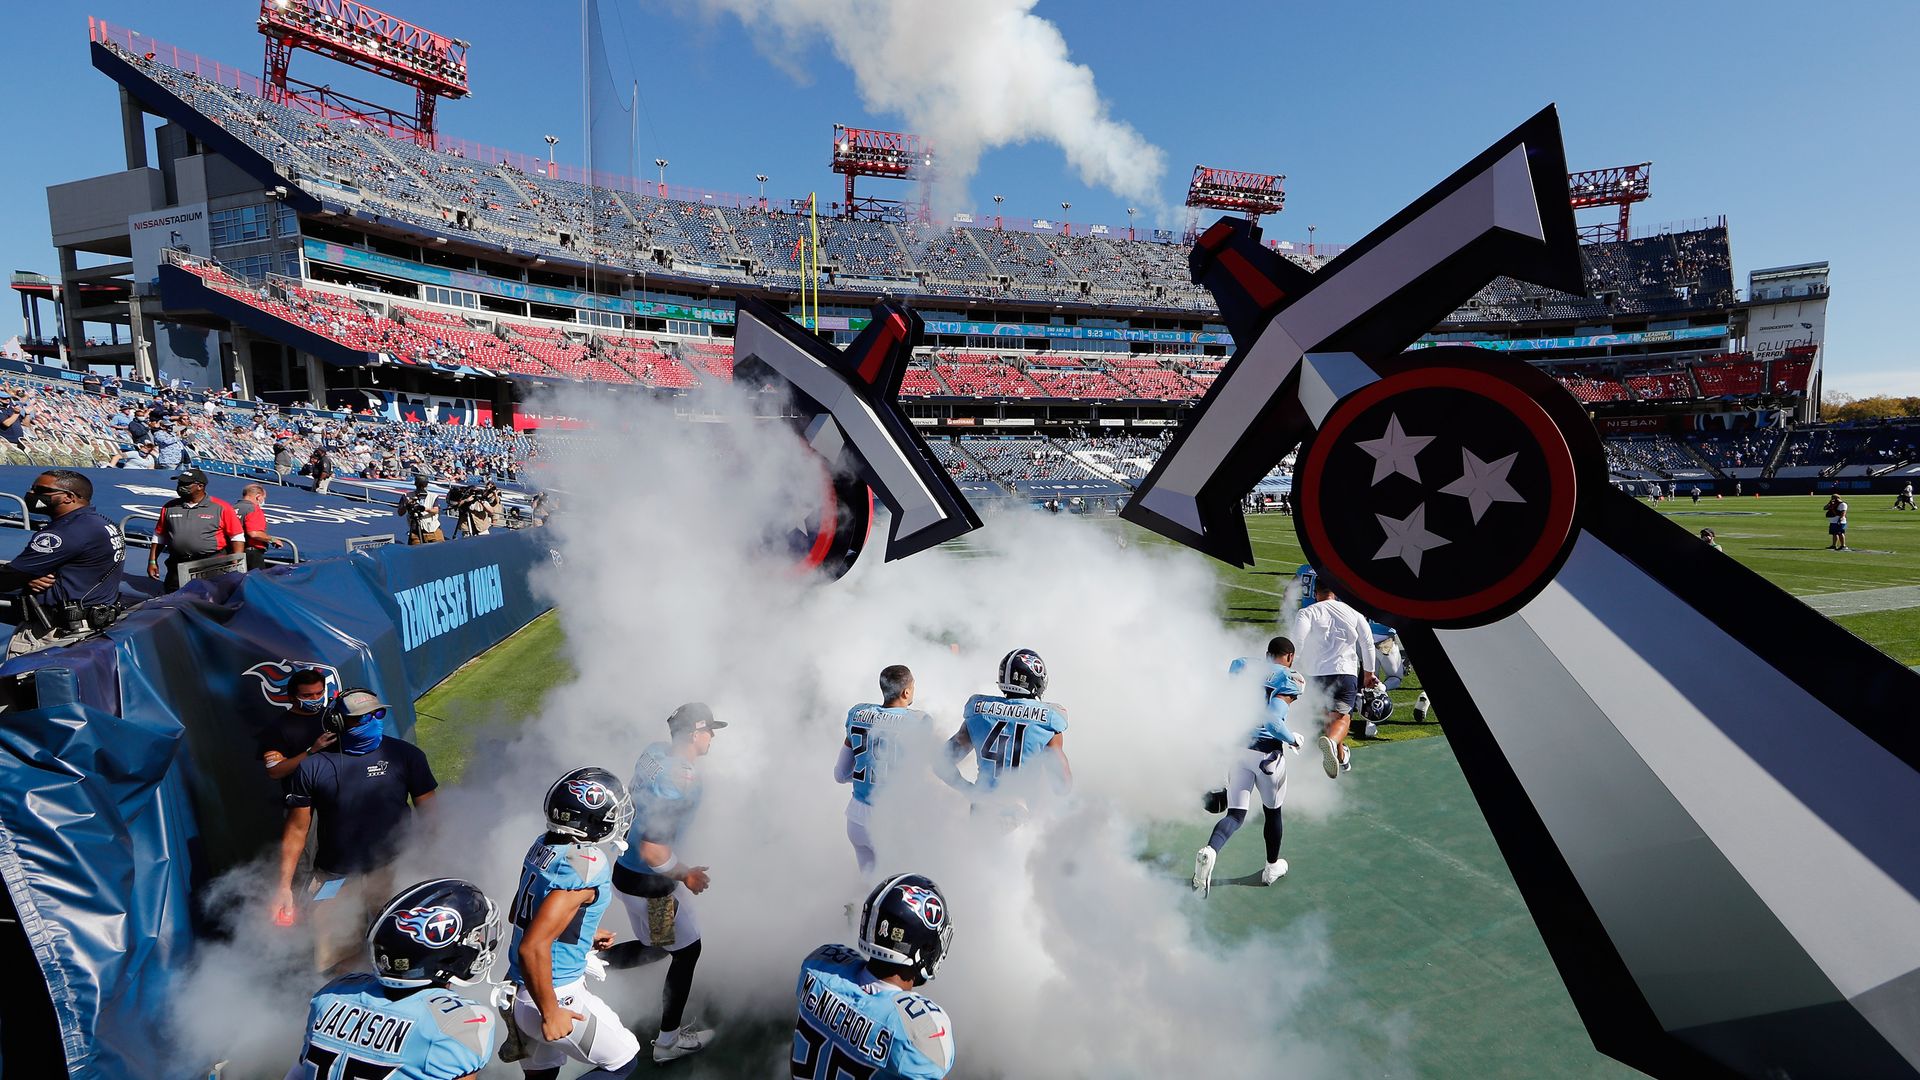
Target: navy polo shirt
pixel 83 551
pixel 360 802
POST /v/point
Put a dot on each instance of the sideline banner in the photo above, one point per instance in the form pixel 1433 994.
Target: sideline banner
pixel 135 779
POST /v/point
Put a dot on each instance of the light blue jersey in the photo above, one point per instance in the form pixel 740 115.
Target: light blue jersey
pixel 1279 681
pixel 852 1024
pixel 1009 733
pixel 666 792
pixel 552 868
pixel 882 737
pixel 355 1029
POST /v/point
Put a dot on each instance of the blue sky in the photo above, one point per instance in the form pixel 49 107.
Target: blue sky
pixel 1793 120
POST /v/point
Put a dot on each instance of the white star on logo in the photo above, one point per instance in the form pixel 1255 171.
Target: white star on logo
pixel 1409 539
pixel 1394 451
pixel 1483 483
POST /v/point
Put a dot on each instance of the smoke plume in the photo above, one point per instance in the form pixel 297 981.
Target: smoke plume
pixel 1073 955
pixel 971 77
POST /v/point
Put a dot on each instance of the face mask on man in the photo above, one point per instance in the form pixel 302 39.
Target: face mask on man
pixel 185 490
pixel 364 735
pixel 309 705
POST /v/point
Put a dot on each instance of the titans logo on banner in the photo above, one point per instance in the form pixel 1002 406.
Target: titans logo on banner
pixel 275 674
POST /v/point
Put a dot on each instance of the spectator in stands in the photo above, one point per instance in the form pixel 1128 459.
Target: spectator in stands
pixel 70 570
pixel 13 422
pixel 300 734
pixel 362 794
pixel 284 461
pixel 1711 540
pixel 140 457
pixel 193 526
pixel 138 429
pixel 253 521
pixel 319 469
pixel 421 508
pixel 172 452
pixel 1836 511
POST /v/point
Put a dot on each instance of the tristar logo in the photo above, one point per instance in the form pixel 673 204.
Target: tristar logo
pixel 1038 665
pixel 592 793
pixel 435 927
pixel 275 674
pixel 926 904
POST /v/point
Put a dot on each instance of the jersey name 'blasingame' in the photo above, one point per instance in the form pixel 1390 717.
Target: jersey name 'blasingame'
pixel 1007 732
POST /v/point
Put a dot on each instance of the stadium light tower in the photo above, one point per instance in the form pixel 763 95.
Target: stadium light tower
pixel 1621 186
pixel 1251 194
pixel 997 200
pixel 1066 227
pixel 369 39
pixel 889 155
pixel 1130 212
pixel 552 141
pixel 662 163
pixel 762 177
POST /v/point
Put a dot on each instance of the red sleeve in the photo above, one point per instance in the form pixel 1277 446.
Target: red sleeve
pixel 229 525
pixel 160 527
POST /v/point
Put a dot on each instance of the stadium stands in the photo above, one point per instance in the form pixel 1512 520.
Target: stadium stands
pixel 1730 376
pixel 1649 457
pixel 1662 386
pixel 501 205
pixel 1594 390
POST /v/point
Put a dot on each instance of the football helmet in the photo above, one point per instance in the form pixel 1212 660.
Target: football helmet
pixel 1375 705
pixel 590 805
pixel 434 933
pixel 905 922
pixel 1023 674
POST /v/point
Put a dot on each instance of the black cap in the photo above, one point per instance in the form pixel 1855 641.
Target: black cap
pixel 693 716
pixel 191 476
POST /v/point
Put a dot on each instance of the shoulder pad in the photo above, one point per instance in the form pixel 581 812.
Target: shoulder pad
pixel 1059 720
pixel 589 865
pixel 927 1028
pixel 470 1025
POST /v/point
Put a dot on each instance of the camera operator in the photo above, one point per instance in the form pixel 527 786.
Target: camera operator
pixel 422 510
pixel 476 506
pixel 69 574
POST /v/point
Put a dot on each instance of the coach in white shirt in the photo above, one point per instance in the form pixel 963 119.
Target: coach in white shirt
pixel 1336 653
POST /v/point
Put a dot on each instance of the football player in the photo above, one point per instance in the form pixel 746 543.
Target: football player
pixel 564 890
pixel 1012 732
pixel 880 738
pixel 1261 767
pixel 860 1014
pixel 655 885
pixel 403 1021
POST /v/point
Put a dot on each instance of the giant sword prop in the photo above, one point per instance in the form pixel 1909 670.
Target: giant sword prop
pixel 1708 793
pixel 845 404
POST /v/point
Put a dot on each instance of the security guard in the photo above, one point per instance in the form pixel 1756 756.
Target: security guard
pixel 69 573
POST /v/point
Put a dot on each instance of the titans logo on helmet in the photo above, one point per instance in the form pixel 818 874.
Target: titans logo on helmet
pixel 592 794
pixel 274 675
pixel 925 903
pixel 434 927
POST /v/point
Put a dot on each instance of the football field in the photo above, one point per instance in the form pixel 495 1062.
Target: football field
pixel 1437 967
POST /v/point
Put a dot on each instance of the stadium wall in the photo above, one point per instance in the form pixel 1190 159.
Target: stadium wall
pixel 129 780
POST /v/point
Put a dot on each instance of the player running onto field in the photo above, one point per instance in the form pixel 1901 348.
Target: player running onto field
pixel 1010 733
pixel 403 1022
pixel 880 740
pixel 1261 767
pixel 860 1015
pixel 564 890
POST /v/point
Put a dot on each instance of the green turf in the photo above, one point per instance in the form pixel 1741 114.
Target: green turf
pixel 1785 539
pixel 505 685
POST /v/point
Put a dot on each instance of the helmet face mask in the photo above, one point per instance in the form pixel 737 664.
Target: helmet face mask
pixel 590 806
pixel 435 933
pixel 904 922
pixel 1023 674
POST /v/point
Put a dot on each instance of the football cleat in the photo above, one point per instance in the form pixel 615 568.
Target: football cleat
pixel 1273 871
pixel 1203 871
pixel 688 1040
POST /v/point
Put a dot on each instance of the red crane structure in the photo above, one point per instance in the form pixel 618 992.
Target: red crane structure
pixel 1621 186
pixel 371 40
pixel 889 155
pixel 1237 192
